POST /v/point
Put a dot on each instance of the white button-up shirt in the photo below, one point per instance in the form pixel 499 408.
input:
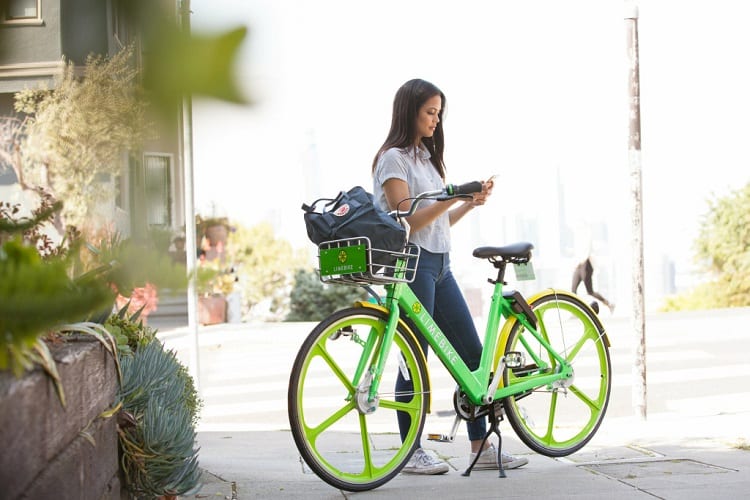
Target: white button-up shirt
pixel 414 167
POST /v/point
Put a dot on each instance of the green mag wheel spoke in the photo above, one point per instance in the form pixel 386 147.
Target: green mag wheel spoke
pixel 369 470
pixel 594 405
pixel 571 354
pixel 560 418
pixel 349 441
pixel 408 407
pixel 323 353
pixel 313 433
pixel 548 436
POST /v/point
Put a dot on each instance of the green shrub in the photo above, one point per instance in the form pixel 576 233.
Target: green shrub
pixel 311 300
pixel 128 331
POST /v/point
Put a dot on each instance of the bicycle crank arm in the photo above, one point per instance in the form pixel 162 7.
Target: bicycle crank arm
pixel 512 359
pixel 446 438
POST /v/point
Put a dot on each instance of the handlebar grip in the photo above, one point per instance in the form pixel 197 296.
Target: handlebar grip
pixel 468 188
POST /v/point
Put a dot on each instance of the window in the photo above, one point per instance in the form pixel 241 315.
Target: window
pixel 21 10
pixel 157 172
pixel 120 21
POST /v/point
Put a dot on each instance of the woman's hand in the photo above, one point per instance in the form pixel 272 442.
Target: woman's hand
pixel 480 198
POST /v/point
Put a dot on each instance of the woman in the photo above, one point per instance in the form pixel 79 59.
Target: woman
pixel 409 162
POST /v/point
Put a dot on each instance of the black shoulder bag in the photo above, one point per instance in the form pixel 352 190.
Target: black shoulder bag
pixel 353 214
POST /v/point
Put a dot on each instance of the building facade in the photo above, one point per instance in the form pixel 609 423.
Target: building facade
pixel 36 37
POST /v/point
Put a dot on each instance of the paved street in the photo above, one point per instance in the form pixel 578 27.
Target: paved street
pixel 698 399
pixel 696 365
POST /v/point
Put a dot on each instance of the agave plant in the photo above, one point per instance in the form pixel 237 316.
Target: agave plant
pixel 157 434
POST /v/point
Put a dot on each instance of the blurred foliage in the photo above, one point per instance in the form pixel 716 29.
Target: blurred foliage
pixel 160 238
pixel 312 300
pixel 179 62
pixel 202 223
pixel 214 278
pixel 704 296
pixel 126 264
pixel 79 130
pixel 723 251
pixel 156 424
pixel 35 296
pixel 183 64
pixel 43 286
pixel 31 227
pixel 265 265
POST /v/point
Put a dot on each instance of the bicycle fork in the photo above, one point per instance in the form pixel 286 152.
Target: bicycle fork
pixel 367 380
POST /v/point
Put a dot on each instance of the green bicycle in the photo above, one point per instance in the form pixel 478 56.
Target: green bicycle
pixel 546 367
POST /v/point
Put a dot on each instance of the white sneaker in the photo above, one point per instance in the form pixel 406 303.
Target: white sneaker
pixel 488 460
pixel 423 463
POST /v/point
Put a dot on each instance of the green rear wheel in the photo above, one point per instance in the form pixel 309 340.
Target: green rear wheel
pixel 350 442
pixel 559 419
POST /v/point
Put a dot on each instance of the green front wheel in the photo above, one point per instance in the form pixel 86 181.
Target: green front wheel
pixel 348 439
pixel 559 419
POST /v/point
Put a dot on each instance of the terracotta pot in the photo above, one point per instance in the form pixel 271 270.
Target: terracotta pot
pixel 217 234
pixel 212 309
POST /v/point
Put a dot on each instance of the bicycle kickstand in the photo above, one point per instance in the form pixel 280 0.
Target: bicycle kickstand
pixel 494 419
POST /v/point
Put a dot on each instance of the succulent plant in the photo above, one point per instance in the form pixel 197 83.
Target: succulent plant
pixel 157 436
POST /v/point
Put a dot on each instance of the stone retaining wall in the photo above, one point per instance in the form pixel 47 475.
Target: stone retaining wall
pixel 47 451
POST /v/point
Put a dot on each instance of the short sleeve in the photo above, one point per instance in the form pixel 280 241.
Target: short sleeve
pixel 391 165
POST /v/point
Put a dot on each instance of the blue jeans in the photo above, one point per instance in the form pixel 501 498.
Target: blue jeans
pixel 437 290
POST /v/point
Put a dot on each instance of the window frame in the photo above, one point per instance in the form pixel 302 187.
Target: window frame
pixel 168 187
pixel 5 19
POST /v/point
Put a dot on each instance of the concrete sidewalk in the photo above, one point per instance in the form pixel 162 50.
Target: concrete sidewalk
pixel 657 463
pixel 697 445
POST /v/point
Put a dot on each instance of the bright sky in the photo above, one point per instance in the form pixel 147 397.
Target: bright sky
pixel 535 89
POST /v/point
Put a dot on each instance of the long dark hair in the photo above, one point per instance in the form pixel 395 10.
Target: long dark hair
pixel 409 98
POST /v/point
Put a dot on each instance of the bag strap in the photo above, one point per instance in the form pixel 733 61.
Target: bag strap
pixel 331 201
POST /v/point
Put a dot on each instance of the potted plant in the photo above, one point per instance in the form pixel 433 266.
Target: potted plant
pixel 214 231
pixel 214 282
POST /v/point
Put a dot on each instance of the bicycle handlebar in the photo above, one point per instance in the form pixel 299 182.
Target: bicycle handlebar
pixel 463 189
pixel 449 192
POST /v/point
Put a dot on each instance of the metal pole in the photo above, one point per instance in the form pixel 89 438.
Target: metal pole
pixel 634 160
pixel 186 119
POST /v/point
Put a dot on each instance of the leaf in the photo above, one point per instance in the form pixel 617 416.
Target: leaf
pixel 193 65
pixel 88 437
pixel 99 333
pixel 112 411
pixel 44 358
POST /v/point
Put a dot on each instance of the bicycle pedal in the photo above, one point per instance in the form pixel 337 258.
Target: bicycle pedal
pixel 514 359
pixel 441 438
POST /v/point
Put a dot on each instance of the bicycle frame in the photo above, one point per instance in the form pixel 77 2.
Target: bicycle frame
pixel 474 383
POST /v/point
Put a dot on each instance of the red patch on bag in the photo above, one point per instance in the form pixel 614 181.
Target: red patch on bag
pixel 342 210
